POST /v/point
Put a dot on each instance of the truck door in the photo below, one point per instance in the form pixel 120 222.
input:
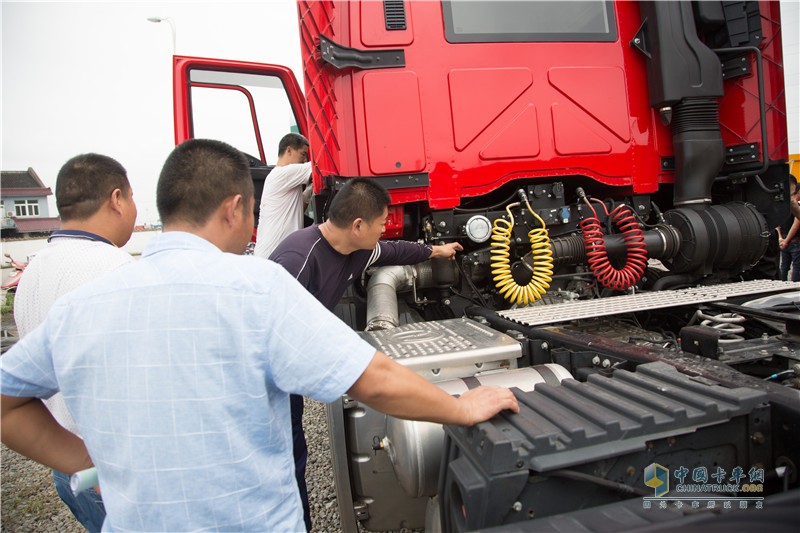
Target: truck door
pixel 247 105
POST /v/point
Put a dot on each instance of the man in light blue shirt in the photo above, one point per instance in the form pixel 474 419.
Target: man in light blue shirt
pixel 177 369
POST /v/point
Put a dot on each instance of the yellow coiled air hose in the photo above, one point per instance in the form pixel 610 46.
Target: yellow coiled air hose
pixel 541 252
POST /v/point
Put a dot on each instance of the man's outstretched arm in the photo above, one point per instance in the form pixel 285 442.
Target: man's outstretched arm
pixel 29 429
pixel 446 251
pixel 397 391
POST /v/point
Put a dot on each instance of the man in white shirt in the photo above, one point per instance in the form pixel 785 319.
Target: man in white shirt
pixel 95 202
pixel 281 211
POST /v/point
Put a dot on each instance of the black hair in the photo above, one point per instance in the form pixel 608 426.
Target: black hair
pixel 85 182
pixel 291 140
pixel 197 176
pixel 359 198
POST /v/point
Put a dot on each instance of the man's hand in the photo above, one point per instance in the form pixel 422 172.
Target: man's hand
pixel 782 244
pixel 446 251
pixel 482 403
pixel 393 389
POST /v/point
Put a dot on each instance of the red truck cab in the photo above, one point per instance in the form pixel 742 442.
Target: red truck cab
pixel 614 170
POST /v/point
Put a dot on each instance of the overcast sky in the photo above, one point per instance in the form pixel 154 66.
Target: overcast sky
pixel 96 77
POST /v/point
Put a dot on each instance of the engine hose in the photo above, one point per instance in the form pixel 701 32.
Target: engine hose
pixel 597 256
pixel 541 254
pixel 728 324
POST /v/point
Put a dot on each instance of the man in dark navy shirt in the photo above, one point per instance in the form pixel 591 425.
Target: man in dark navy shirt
pixel 327 258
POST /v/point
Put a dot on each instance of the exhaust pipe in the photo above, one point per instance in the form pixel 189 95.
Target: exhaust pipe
pixel 382 289
pixel 386 282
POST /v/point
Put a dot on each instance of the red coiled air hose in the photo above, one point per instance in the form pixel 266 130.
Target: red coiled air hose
pixel 597 256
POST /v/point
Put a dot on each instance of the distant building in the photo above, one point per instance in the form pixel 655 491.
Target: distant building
pixel 23 204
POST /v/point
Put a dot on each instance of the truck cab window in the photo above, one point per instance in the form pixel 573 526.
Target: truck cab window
pixel 248 111
pixel 470 21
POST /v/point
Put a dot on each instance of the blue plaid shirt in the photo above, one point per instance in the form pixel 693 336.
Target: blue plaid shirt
pixel 177 370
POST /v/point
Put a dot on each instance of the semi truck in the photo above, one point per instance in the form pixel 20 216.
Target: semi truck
pixel 615 171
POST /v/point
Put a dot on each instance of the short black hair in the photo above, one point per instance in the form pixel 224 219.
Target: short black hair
pixel 85 182
pixel 197 176
pixel 361 198
pixel 293 140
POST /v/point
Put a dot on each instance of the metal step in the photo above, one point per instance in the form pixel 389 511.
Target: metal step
pixel 538 315
pixel 443 343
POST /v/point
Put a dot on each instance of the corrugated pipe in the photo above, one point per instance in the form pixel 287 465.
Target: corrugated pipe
pixel 382 289
pixel 699 149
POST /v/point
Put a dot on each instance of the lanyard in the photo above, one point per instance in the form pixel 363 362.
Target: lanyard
pixel 78 234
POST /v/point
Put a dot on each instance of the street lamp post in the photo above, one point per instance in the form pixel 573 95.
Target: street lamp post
pixel 171 26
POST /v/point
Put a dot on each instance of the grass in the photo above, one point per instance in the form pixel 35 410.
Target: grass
pixel 7 309
pixel 29 500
